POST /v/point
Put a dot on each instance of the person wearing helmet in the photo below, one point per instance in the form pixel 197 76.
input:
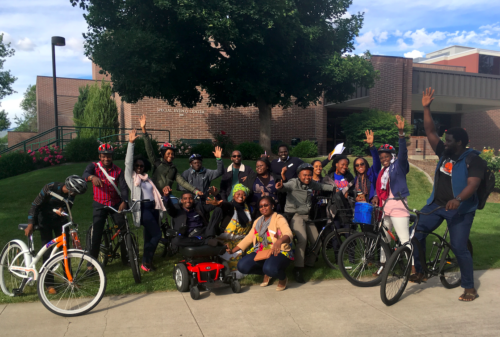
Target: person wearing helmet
pixel 299 202
pixel 391 182
pixel 42 216
pixel 164 171
pixel 199 176
pixel 109 189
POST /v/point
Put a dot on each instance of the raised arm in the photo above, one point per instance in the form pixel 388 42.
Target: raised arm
pixel 429 126
pixel 403 151
pixel 214 174
pixel 147 140
pixel 129 158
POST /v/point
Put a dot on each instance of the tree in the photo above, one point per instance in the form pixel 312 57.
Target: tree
pixel 266 53
pixel 6 78
pixel 4 120
pixel 100 111
pixel 28 121
pixel 79 108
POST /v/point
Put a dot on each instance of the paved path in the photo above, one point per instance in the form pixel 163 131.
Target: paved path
pixel 328 308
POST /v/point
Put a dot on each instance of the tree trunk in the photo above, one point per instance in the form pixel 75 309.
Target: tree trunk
pixel 265 125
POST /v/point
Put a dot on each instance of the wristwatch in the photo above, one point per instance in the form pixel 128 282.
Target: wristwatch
pixel 459 199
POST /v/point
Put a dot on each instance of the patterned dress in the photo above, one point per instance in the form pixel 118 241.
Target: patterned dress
pixel 259 240
pixel 233 234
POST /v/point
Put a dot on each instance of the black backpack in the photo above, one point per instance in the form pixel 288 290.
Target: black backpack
pixel 487 183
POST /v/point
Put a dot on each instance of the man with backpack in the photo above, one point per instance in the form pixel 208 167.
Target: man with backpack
pixel 458 176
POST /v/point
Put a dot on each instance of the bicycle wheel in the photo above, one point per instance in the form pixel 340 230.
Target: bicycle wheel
pixel 104 248
pixel 449 269
pixel 395 275
pixel 72 298
pixel 359 259
pixel 9 282
pixel 133 256
pixel 331 246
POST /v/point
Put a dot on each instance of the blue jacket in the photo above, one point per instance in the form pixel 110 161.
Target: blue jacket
pixel 459 176
pixel 372 173
pixel 398 171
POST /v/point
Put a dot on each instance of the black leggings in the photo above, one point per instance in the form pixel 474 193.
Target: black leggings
pixel 152 231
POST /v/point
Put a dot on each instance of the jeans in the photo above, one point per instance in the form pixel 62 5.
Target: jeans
pixel 99 219
pixel 459 226
pixel 275 266
pixel 152 231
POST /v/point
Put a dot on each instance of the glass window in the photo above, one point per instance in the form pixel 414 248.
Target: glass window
pixel 489 65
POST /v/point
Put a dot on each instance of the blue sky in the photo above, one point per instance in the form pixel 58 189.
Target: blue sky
pixel 397 28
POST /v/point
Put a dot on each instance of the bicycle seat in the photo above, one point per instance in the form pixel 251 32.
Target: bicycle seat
pixel 202 251
pixel 23 226
pixel 413 218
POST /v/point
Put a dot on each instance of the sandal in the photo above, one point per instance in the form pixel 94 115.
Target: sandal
pixel 266 280
pixel 417 278
pixel 282 286
pixel 468 296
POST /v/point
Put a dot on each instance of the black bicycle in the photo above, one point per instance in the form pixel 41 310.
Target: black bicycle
pixel 441 262
pixel 114 238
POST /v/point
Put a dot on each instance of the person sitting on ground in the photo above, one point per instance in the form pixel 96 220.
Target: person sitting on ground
pixel 236 223
pixel 366 177
pixel 458 175
pixel 261 182
pixel 235 174
pixel 391 182
pixel 298 203
pixel 146 213
pixel 199 176
pixel 269 232
pixel 164 171
pixel 50 223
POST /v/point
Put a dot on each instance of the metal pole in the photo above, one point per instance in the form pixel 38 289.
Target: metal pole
pixel 55 91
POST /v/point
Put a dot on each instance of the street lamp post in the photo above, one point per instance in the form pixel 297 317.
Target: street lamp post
pixel 56 41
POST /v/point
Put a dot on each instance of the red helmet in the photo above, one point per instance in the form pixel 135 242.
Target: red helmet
pixel 105 148
pixel 387 148
pixel 167 146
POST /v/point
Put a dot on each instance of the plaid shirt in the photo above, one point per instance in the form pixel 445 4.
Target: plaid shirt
pixel 106 194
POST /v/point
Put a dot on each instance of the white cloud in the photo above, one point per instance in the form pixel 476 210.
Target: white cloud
pixel 420 38
pixel 489 41
pixel 382 37
pixel 463 38
pixel 25 45
pixel 75 44
pixel 370 39
pixel 6 37
pixel 494 27
pixel 397 33
pixel 414 54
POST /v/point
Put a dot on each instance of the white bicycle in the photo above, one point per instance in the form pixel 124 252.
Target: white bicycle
pixel 69 283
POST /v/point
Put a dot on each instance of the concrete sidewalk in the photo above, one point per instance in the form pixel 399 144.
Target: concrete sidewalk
pixel 328 308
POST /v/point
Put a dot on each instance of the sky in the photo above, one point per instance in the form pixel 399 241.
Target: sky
pixel 391 27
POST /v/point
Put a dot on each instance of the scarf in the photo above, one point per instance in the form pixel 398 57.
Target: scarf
pixel 385 174
pixel 139 178
pixel 242 214
pixel 261 228
pixel 362 184
pixel 381 193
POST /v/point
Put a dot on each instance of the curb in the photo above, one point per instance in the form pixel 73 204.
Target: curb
pixel 426 174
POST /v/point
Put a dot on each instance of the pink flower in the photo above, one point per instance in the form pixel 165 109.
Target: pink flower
pixel 57 161
pixel 45 159
pixel 52 164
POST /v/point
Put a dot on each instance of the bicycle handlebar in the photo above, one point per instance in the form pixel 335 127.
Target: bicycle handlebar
pixel 125 210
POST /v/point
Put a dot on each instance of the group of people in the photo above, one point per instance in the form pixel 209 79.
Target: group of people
pixel 257 212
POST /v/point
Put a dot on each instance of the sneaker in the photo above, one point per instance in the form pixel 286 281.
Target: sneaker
pixel 146 269
pixel 297 274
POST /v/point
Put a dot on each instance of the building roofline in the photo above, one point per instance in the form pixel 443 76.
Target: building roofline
pixel 72 78
pixel 455 45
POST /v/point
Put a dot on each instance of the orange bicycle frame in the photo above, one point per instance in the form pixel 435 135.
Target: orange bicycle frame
pixel 61 241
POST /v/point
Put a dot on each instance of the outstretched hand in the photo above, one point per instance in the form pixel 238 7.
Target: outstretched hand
pixel 213 191
pixel 279 185
pixel 132 136
pixel 218 152
pixel 213 202
pixel 167 190
pixel 369 137
pixel 142 121
pixel 427 97
pixel 400 123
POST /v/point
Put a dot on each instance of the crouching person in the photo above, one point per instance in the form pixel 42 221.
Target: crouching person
pixel 271 253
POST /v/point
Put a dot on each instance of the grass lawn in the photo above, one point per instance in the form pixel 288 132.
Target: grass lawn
pixel 20 191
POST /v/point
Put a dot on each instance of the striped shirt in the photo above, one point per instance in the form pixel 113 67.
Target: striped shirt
pixel 45 203
pixel 106 194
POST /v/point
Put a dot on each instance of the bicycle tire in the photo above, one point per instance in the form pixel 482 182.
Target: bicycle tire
pixel 76 287
pixel 359 271
pixel 448 264
pixel 104 249
pixel 328 251
pixel 133 256
pixel 394 271
pixel 8 280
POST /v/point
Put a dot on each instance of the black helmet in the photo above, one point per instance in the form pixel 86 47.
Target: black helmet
pixel 195 157
pixel 305 166
pixel 386 148
pixel 76 184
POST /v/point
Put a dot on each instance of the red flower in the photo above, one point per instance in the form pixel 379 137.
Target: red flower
pixel 34 160
pixel 45 159
pixel 223 133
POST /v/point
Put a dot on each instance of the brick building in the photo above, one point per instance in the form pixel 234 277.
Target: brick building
pixel 467 83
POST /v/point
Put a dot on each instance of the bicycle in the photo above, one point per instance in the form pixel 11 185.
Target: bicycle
pixel 108 248
pixel 361 256
pixel 78 278
pixel 398 268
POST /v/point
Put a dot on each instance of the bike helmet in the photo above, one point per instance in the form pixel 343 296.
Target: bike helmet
pixel 105 148
pixel 305 166
pixel 387 148
pixel 195 157
pixel 167 146
pixel 76 184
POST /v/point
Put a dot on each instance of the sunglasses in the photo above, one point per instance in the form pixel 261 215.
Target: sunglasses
pixel 360 164
pixel 237 156
pixel 138 166
pixel 264 205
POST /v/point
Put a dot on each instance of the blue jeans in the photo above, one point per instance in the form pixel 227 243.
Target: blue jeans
pixel 459 226
pixel 152 232
pixel 275 266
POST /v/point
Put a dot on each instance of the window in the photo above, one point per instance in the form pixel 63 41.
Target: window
pixel 489 65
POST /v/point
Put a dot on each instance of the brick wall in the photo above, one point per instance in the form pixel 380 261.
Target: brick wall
pixel 439 67
pixel 14 137
pixel 421 143
pixel 483 128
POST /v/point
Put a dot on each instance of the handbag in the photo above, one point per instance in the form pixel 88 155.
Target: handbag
pixel 263 255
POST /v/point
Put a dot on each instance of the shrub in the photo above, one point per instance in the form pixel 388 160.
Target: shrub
pixel 205 149
pixel 14 163
pixel 82 149
pixel 493 163
pixel 305 149
pixel 382 124
pixel 47 156
pixel 100 111
pixel 250 150
pixel 183 149
pixel 225 141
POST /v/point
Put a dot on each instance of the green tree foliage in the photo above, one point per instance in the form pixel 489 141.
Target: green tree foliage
pixel 79 108
pixel 28 120
pixel 100 111
pixel 242 53
pixel 14 163
pixel 6 78
pixel 382 124
pixel 4 120
pixel 250 150
pixel 305 149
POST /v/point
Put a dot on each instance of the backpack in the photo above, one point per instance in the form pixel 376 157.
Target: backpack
pixel 487 183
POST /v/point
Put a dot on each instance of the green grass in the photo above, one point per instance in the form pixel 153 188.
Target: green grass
pixel 18 192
